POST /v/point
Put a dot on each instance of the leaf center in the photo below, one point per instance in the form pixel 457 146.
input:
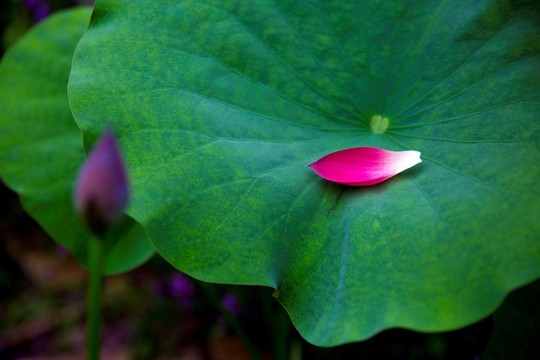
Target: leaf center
pixel 378 124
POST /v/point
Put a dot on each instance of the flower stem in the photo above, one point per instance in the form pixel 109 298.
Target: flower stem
pixel 280 327
pixel 93 300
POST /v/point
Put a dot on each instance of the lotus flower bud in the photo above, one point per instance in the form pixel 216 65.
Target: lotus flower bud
pixel 101 191
pixel 364 166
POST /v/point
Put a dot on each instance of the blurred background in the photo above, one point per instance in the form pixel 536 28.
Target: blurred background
pixel 156 312
pixel 17 16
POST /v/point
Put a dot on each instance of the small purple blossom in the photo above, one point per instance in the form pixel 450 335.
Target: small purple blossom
pixel 182 288
pixel 40 9
pixel 231 304
pixel 62 251
pixel 30 4
pixel 101 191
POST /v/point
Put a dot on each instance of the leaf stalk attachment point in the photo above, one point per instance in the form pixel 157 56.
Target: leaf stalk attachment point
pixel 378 124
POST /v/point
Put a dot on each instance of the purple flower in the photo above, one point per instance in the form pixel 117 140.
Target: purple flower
pixel 231 304
pixel 41 11
pixel 182 288
pixel 30 4
pixel 62 251
pixel 102 191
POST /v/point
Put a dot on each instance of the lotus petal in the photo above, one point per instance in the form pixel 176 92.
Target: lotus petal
pixel 364 166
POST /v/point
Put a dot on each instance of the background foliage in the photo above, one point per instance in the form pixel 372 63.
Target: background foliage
pixel 41 146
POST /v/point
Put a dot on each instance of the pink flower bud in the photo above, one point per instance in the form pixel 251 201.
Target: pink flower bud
pixel 363 166
pixel 101 191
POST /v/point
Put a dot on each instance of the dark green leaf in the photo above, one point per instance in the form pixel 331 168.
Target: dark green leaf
pixel 221 105
pixel 41 146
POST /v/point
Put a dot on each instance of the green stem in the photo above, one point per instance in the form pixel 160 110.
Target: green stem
pixel 282 334
pixel 280 325
pixel 296 350
pixel 93 300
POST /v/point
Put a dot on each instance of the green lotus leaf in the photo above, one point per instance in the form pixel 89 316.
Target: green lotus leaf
pixel 222 105
pixel 41 147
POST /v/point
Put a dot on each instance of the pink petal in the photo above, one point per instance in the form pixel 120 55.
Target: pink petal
pixel 101 191
pixel 363 166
